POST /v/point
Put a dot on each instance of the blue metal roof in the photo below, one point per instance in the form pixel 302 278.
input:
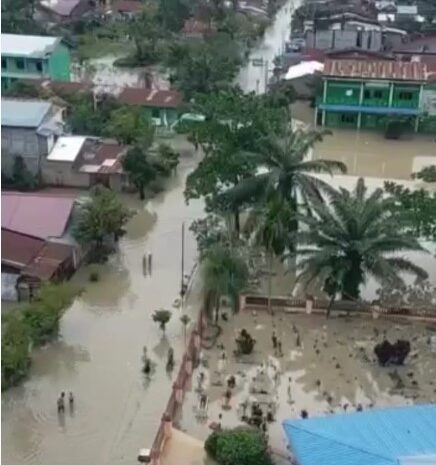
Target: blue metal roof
pixel 371 110
pixel 389 436
pixel 23 113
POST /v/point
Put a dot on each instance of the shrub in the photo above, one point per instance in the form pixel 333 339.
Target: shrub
pixel 239 446
pixel 94 276
pixel 162 317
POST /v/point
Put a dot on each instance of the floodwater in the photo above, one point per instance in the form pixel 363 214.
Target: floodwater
pixel 98 355
pixel 368 153
pixel 333 365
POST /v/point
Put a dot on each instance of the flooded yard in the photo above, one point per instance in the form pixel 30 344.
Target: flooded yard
pixel 327 366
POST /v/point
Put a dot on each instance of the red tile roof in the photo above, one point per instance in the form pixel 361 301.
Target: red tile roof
pixel 128 6
pixel 393 70
pixel 47 262
pixel 36 215
pixel 18 250
pixel 151 97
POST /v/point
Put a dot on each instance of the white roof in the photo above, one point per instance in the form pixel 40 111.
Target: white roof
pixel 27 46
pixel 303 69
pixel 66 148
pixel 407 9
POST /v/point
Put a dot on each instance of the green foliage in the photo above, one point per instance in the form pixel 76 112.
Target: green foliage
pixel 239 446
pixel 168 158
pixel 17 17
pixel 101 216
pixel 417 206
pixel 355 236
pixel 130 125
pixel 36 323
pixel 162 317
pixel 141 168
pixel 20 89
pixel 427 174
pixel 172 14
pixel 22 179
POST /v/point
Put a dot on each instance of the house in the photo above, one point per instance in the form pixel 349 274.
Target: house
pixel 361 94
pixel 344 39
pixel 197 29
pixel 127 8
pixel 29 130
pixel 390 436
pixel 77 161
pixel 37 244
pixel 163 106
pixel 33 57
pixel 61 11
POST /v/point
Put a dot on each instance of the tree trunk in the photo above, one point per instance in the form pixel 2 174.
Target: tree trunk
pixel 141 192
pixel 270 267
pixel 293 224
pixel 352 280
pixel 237 223
pixel 217 307
pixel 330 305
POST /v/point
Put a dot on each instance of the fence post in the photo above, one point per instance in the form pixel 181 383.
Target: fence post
pixel 309 304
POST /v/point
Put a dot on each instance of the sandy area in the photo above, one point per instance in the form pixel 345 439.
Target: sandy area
pixel 334 366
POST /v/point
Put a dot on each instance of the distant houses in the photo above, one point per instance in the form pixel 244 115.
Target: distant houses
pixel 33 57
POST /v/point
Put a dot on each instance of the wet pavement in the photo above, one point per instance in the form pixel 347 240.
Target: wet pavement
pixel 98 355
pixel 326 365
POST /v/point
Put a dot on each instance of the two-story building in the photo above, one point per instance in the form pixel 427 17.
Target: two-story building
pixel 33 57
pixel 29 130
pixel 361 94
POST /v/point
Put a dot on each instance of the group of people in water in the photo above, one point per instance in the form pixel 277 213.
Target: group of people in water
pixel 61 402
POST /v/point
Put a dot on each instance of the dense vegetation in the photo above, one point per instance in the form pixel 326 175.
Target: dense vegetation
pixel 32 324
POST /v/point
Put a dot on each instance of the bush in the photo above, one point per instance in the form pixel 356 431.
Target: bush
pixel 239 446
pixel 94 276
pixel 36 323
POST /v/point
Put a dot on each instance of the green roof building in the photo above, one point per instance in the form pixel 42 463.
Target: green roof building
pixel 363 94
pixel 33 57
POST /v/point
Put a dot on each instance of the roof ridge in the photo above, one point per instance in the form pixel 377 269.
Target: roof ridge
pixel 343 443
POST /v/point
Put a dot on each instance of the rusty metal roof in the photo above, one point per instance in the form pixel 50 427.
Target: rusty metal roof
pixel 392 70
pixel 18 250
pixel 48 260
pixel 150 97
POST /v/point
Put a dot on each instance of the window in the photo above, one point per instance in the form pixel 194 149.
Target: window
pixel 378 94
pixel 405 95
pixel 4 63
pixel 345 118
pixel 366 94
pixel 155 113
pixel 349 92
pixel 38 65
pixel 19 63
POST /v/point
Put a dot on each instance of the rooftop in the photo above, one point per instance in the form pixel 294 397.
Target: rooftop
pixel 18 249
pixel 391 436
pixel 105 159
pixel 151 97
pixel 195 26
pixel 66 148
pixel 127 6
pixel 24 113
pixel 60 7
pixel 27 46
pixel 46 263
pixel 37 215
pixel 394 70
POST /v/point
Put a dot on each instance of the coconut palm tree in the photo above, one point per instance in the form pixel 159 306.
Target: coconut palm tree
pixel 225 274
pixel 287 175
pixel 356 235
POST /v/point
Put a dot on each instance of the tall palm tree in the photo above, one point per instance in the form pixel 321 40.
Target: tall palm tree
pixel 356 235
pixel 225 274
pixel 287 175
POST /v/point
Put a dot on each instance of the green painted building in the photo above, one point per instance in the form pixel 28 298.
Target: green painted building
pixel 363 94
pixel 162 106
pixel 33 57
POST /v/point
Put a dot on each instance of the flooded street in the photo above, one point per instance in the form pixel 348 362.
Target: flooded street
pixel 98 355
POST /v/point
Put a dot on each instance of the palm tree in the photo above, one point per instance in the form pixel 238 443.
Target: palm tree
pixel 162 317
pixel 354 236
pixel 288 174
pixel 225 274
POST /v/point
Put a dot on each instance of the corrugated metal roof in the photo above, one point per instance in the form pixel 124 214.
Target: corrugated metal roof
pixel 374 437
pixel 67 148
pixel 393 70
pixel 27 46
pixel 150 97
pixel 18 249
pixel 48 260
pixel 24 113
pixel 36 215
pixel 60 7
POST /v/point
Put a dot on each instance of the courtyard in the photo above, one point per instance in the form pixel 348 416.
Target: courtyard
pixel 325 366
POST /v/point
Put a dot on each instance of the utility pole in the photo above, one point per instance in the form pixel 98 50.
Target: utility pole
pixel 266 76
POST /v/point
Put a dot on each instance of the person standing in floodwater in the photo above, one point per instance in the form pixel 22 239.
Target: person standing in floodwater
pixel 71 399
pixel 149 261
pixel 61 403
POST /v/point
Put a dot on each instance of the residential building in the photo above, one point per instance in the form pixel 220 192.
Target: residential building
pixel 62 11
pixel 29 130
pixel 390 436
pixel 126 9
pixel 344 39
pixel 77 161
pixel 37 244
pixel 361 94
pixel 163 106
pixel 33 57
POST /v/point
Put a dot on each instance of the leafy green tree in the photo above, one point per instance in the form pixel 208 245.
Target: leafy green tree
pixel 22 179
pixel 353 237
pixel 162 317
pixel 286 173
pixel 238 446
pixel 427 174
pixel 17 17
pixel 130 125
pixel 225 274
pixel 172 14
pixel 168 158
pixel 101 216
pixel 141 168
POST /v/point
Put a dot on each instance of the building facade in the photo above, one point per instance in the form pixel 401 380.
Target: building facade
pixel 363 95
pixel 33 57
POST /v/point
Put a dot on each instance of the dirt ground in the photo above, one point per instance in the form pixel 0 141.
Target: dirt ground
pixel 327 366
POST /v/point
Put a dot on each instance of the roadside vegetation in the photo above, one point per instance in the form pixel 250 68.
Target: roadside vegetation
pixel 32 324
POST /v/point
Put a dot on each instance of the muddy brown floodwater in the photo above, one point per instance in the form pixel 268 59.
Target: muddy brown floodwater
pixel 98 355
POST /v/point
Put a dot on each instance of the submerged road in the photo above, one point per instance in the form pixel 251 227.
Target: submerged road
pixel 98 354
